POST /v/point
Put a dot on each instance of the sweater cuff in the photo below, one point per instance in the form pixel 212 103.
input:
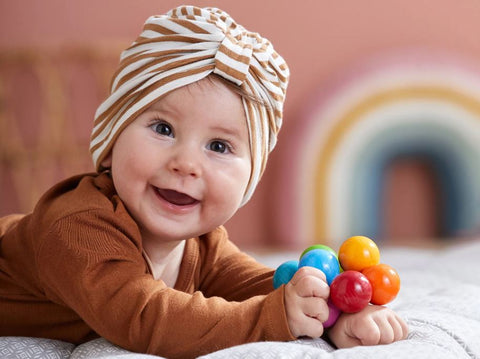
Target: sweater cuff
pixel 278 329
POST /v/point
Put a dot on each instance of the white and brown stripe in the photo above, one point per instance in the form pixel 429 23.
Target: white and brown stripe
pixel 184 46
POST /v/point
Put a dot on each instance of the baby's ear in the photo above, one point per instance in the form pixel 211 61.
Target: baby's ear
pixel 107 161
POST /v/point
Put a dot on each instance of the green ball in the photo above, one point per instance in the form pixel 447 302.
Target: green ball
pixel 319 246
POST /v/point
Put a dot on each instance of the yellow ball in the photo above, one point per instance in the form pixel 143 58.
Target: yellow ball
pixel 358 253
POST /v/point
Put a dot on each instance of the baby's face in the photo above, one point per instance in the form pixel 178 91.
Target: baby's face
pixel 182 167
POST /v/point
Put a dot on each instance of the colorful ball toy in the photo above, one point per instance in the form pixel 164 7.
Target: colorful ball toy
pixel 355 276
pixel 284 273
pixel 358 253
pixel 321 259
pixel 319 246
pixel 333 314
pixel 385 283
pixel 351 291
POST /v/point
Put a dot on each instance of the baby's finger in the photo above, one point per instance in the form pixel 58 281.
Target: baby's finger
pixel 311 327
pixel 310 284
pixel 400 328
pixel 387 332
pixel 304 315
pixel 315 307
pixel 307 271
pixel 405 329
pixel 368 332
pixel 392 328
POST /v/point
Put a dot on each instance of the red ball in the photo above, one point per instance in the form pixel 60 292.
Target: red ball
pixel 350 291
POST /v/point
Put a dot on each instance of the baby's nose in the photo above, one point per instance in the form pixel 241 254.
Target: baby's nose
pixel 186 162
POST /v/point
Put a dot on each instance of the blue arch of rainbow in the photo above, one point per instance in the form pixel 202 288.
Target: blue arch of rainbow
pixel 446 152
pixel 454 158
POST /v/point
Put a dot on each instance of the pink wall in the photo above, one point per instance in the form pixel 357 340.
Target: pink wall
pixel 321 40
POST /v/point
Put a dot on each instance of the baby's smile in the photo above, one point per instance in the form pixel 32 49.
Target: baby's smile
pixel 176 198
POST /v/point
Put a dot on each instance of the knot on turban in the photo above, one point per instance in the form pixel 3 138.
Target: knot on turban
pixel 184 46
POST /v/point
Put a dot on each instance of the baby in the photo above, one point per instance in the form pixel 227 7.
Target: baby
pixel 136 253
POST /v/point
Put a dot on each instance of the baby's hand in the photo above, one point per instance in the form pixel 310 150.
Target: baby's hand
pixel 306 302
pixel 373 325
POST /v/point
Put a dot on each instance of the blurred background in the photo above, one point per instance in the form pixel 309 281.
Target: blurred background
pixel 381 133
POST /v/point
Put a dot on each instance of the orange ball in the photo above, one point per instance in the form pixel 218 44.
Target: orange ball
pixel 385 283
pixel 358 253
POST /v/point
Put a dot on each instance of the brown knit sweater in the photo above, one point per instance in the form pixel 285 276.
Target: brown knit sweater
pixel 74 270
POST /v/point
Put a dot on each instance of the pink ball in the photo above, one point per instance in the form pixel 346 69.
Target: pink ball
pixel 333 315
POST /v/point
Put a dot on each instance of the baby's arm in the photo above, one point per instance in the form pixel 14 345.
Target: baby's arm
pixel 371 326
pixel 101 275
pixel 306 302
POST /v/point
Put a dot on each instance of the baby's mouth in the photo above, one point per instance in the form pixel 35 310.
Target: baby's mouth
pixel 176 198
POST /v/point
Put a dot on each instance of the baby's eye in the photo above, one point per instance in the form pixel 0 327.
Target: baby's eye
pixel 162 128
pixel 219 146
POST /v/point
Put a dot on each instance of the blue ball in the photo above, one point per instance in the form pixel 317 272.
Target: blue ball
pixel 323 260
pixel 284 273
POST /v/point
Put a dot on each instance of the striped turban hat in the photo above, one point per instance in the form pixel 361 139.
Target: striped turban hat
pixel 184 46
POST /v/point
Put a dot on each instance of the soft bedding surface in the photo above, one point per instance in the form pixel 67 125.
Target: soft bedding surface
pixel 439 299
